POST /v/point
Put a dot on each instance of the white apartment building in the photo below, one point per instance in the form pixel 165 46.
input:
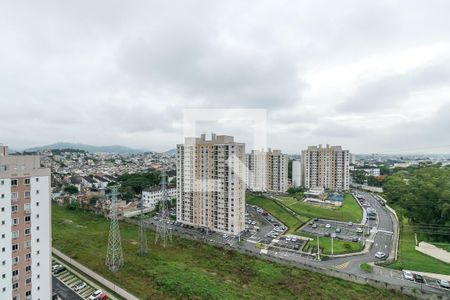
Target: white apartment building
pixel 151 196
pixel 210 183
pixel 372 171
pixel 325 167
pixel 267 171
pixel 296 173
pixel 25 228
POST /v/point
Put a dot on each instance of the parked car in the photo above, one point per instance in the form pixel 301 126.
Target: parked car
pixel 419 278
pixel 359 230
pixel 59 270
pixel 355 239
pixel 328 226
pixel 338 230
pixel 314 226
pixel 408 275
pixel 380 255
pixel 444 284
pixel 350 223
pixel 79 286
pixel 54 267
pixel 327 234
pixel 98 295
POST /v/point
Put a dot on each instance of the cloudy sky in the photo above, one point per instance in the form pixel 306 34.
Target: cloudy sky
pixel 372 76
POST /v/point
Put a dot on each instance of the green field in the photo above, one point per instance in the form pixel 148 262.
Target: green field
pixel 291 221
pixel 349 211
pixel 410 259
pixel 193 270
pixel 340 247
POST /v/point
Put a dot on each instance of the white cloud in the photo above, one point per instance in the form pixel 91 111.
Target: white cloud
pixel 361 74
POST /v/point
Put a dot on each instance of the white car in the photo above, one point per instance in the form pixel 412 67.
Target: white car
pixel 350 223
pixel 380 255
pixel 288 239
pixel 444 284
pixel 79 286
pixel 408 275
pixel 328 226
pixel 96 295
pixel 359 230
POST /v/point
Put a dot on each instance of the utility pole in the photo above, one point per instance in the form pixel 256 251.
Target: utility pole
pixel 114 255
pixel 143 248
pixel 332 249
pixel 318 248
pixel 163 232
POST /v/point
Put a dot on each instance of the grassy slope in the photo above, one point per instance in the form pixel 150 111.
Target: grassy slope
pixel 291 221
pixel 350 210
pixel 410 259
pixel 187 269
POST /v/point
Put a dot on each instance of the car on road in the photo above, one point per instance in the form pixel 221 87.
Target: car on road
pixel 355 239
pixel 359 230
pixel 328 226
pixel 408 275
pixel 380 255
pixel 316 219
pixel 338 230
pixel 350 223
pixel 314 226
pixel 327 234
pixel 79 286
pixel 444 284
pixel 419 278
pixel 98 295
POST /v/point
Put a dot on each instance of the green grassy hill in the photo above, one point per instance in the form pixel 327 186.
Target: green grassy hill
pixel 193 270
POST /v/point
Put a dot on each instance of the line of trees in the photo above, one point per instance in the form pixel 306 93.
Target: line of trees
pixel 423 195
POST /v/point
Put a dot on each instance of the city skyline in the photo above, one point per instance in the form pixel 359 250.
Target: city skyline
pixel 353 74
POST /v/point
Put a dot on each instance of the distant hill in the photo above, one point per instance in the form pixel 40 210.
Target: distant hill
pixel 88 148
pixel 171 152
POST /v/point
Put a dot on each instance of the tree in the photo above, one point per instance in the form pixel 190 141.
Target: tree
pixel 358 176
pixel 70 189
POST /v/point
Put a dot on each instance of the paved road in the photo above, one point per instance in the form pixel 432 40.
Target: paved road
pixel 63 291
pixel 382 240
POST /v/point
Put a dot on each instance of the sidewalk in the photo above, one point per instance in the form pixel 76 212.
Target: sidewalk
pixel 434 251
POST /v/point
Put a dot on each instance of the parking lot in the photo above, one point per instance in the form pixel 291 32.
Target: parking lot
pixel 71 280
pixel 339 230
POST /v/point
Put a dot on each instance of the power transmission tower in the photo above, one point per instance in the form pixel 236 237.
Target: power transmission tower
pixel 114 255
pixel 143 248
pixel 163 232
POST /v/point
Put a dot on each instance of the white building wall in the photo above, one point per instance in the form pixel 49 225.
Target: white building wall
pixel 296 173
pixel 5 240
pixel 41 239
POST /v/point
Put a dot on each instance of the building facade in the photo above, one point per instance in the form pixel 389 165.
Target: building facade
pixel 210 183
pixel 325 167
pixel 152 196
pixel 267 171
pixel 296 173
pixel 25 228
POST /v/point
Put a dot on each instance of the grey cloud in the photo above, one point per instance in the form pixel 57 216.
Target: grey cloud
pixel 387 92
